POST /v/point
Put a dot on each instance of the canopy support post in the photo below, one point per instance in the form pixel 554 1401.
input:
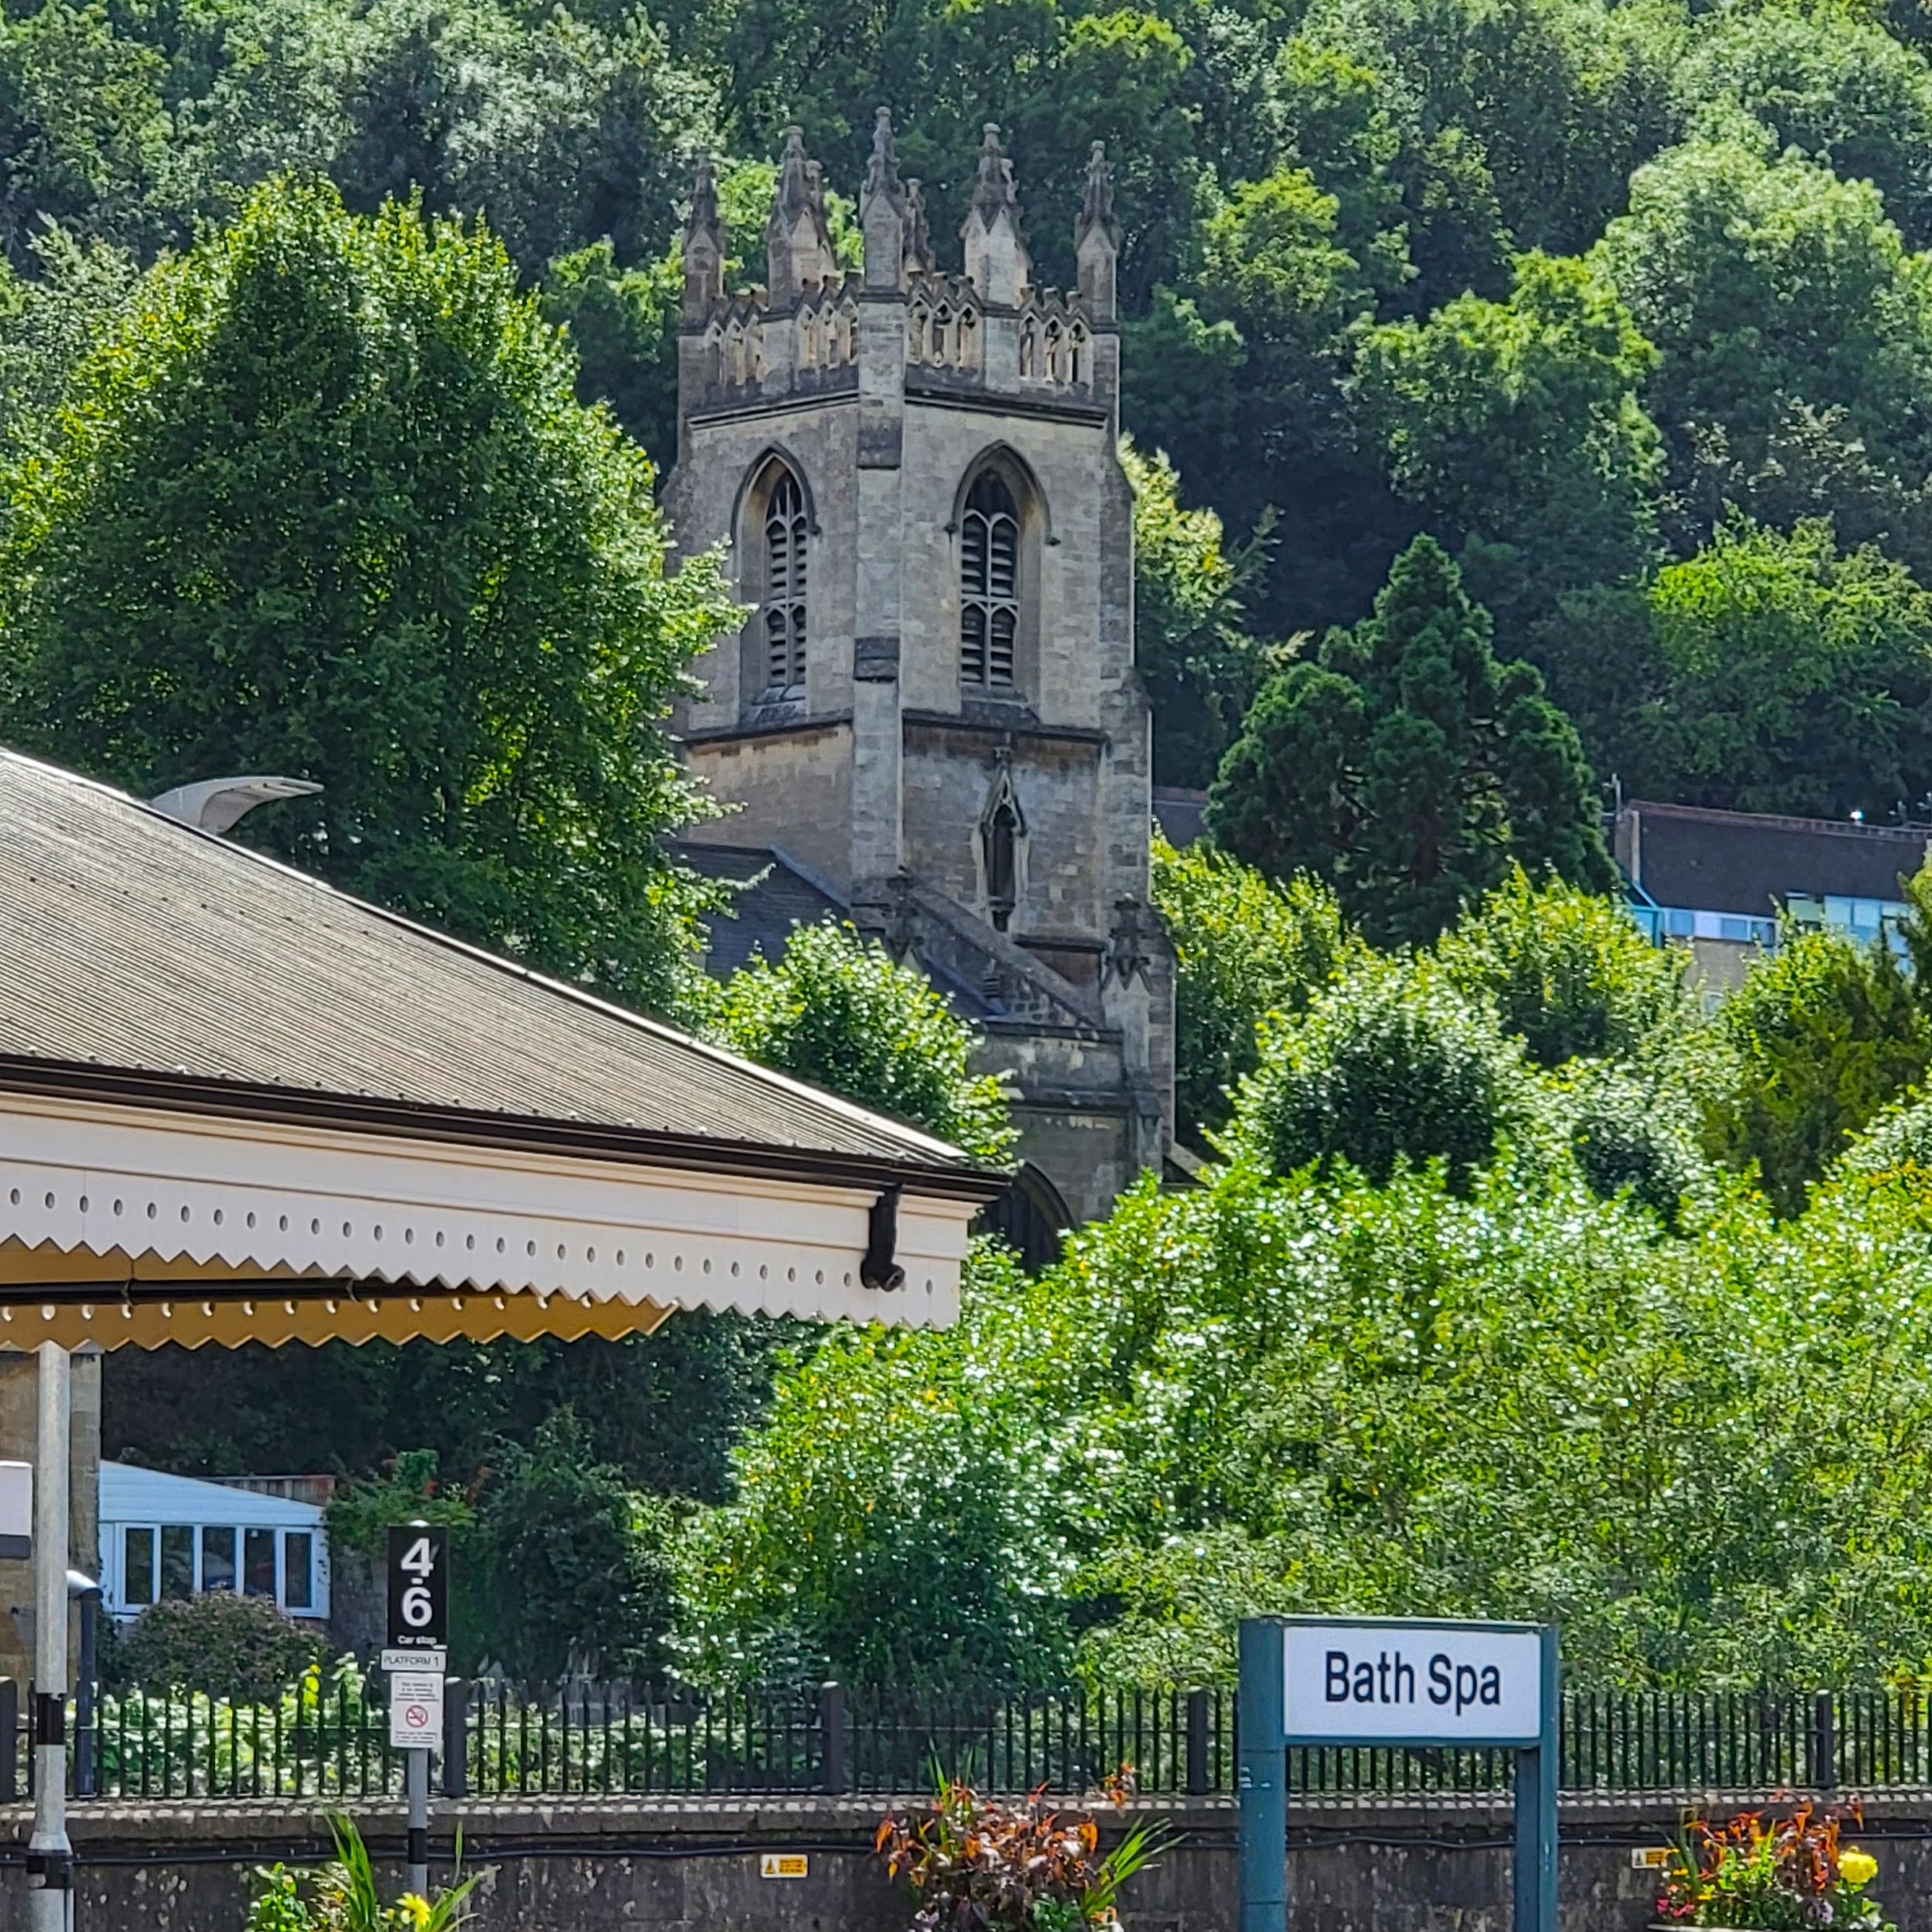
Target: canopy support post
pixel 49 1853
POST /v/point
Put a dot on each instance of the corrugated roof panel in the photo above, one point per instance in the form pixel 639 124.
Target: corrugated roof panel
pixel 131 1494
pixel 129 940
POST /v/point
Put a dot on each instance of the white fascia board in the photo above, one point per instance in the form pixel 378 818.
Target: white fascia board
pixel 149 1194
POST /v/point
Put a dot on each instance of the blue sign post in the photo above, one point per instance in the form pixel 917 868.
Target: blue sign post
pixel 1346 1680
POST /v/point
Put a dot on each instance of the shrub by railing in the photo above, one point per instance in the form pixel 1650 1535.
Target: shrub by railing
pixel 327 1738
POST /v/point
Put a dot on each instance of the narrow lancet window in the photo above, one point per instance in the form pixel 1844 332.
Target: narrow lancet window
pixel 989 584
pixel 784 587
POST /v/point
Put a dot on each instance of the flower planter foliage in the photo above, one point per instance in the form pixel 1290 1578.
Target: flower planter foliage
pixel 978 1864
pixel 346 1897
pixel 1762 1872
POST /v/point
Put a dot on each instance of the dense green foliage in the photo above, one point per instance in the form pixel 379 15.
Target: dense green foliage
pixel 1819 1038
pixel 837 1012
pixel 1565 283
pixel 1407 766
pixel 1703 1406
pixel 1566 972
pixel 1703 1454
pixel 574 1575
pixel 1244 946
pixel 1391 1066
pixel 323 502
pixel 1200 666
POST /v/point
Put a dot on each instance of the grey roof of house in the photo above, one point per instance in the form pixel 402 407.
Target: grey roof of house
pixel 142 960
pixel 1751 862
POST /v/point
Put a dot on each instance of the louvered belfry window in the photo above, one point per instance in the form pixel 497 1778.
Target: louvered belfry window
pixel 784 601
pixel 989 583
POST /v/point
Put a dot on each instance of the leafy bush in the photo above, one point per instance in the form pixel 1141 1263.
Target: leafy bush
pixel 898 1516
pixel 1244 946
pixel 241 1647
pixel 1567 972
pixel 1898 1142
pixel 362 1513
pixel 1393 1064
pixel 1821 1036
pixel 576 1573
pixel 1638 1135
pixel 836 1011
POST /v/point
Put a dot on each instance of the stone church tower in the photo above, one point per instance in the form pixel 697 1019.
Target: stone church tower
pixel 930 722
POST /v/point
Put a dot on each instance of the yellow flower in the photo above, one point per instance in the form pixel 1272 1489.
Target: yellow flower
pixel 415 1909
pixel 1856 1867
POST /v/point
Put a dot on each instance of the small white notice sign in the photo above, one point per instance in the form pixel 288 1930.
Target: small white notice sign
pixel 1414 1683
pixel 416 1711
pixel 423 1663
pixel 782 1865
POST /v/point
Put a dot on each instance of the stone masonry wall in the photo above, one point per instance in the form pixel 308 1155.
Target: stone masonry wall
pixel 587 1865
pixel 18 1407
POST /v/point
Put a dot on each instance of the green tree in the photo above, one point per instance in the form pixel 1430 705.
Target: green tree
pixel 897 1520
pixel 1831 82
pixel 575 1564
pixel 559 130
pixel 1515 427
pixel 1788 677
pixel 85 134
pixel 837 1011
pixel 1822 1035
pixel 1273 264
pixel 1628 1134
pixel 623 325
pixel 1566 972
pixel 325 504
pixel 1763 279
pixel 48 322
pixel 1518 124
pixel 1407 766
pixel 1275 271
pixel 1244 948
pixel 1391 1065
pixel 1190 643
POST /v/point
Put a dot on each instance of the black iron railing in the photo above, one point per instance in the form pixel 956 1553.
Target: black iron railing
pixel 327 1738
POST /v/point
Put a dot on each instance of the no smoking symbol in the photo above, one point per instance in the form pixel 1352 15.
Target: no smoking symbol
pixel 417 1716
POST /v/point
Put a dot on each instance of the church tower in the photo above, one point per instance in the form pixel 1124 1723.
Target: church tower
pixel 931 712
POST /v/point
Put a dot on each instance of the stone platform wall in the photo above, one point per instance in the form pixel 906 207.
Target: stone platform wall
pixel 598 1864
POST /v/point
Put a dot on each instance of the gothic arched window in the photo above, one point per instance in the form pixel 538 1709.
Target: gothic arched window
pixel 782 606
pixel 989 587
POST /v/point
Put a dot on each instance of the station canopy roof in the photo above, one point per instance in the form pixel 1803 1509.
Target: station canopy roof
pixel 238 1105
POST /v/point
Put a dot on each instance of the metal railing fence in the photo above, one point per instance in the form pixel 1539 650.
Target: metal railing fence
pixel 327 1738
